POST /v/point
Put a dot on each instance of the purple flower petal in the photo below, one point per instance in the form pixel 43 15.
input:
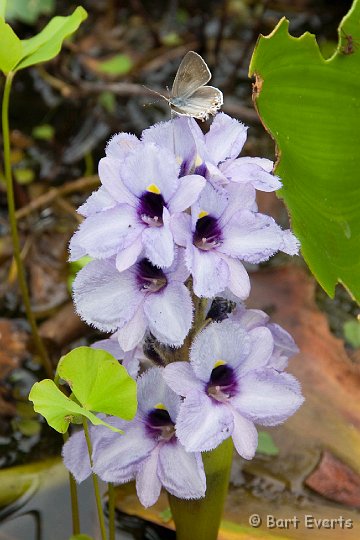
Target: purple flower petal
pixel 148 485
pixel 121 145
pixel 132 333
pixel 150 165
pixel 268 397
pixel 261 348
pixel 101 235
pixel 187 194
pixel 100 284
pixel 169 314
pixel 238 281
pixel 152 389
pixel 176 137
pixel 76 458
pixel 181 228
pixel 244 436
pixel 116 457
pixel 180 472
pixel 110 176
pixel 226 342
pixel 181 378
pixel 99 200
pixel 210 272
pixel 129 255
pixel 247 170
pixel 111 345
pixel 159 244
pixel 75 248
pixel 202 424
pixel 225 138
pixel 255 237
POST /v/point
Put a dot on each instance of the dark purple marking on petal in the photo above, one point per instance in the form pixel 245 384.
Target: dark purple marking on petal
pixel 201 170
pixel 150 277
pixel 150 208
pixel 223 383
pixel 159 425
pixel 207 233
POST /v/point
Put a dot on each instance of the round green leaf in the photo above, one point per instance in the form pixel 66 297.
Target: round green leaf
pixel 99 382
pixel 311 106
pixel 58 409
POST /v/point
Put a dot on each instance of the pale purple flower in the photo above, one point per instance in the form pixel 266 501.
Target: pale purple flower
pixel 214 154
pixel 140 298
pixel 218 150
pixel 284 344
pixel 148 452
pixel 222 231
pixel 228 386
pixel 147 189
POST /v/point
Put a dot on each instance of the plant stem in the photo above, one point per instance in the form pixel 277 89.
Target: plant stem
pixel 13 226
pixel 74 499
pixel 111 491
pixel 95 482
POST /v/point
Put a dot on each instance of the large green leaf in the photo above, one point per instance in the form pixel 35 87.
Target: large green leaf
pixel 17 54
pixel 58 409
pixel 10 47
pixel 311 106
pixel 99 382
pixel 47 44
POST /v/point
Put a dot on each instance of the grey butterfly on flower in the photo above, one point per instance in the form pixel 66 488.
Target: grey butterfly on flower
pixel 189 94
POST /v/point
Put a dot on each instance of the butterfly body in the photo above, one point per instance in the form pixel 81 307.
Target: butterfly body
pixel 190 96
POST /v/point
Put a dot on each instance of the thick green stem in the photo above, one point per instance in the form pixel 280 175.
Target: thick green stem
pixel 13 226
pixel 111 491
pixel 74 499
pixel 95 483
pixel 201 518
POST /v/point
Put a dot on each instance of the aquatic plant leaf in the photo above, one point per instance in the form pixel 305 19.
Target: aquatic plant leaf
pixel 58 409
pixel 311 107
pixel 99 382
pixel 10 47
pixel 266 444
pixel 47 44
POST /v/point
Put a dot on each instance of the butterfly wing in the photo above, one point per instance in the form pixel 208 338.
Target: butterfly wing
pixel 192 73
pixel 204 101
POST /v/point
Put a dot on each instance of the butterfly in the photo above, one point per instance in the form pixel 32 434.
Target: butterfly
pixel 189 94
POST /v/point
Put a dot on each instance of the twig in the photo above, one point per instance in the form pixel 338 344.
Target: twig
pixel 81 184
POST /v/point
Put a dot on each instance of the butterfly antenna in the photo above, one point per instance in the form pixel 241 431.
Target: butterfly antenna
pixel 155 92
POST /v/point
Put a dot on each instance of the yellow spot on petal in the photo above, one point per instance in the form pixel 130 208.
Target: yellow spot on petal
pixel 179 160
pixel 153 189
pixel 160 406
pixel 203 213
pixel 219 363
pixel 198 161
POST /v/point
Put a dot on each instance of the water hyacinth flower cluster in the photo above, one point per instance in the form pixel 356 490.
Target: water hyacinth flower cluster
pixel 169 231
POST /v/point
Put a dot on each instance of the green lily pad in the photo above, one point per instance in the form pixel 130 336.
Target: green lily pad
pixel 311 107
pixel 59 410
pixel 99 382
